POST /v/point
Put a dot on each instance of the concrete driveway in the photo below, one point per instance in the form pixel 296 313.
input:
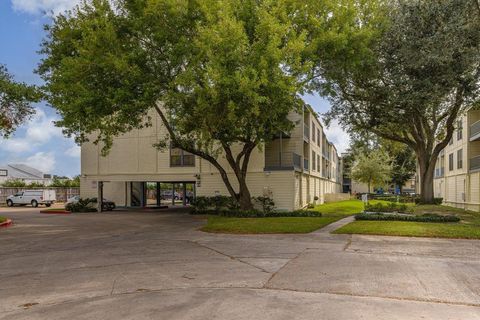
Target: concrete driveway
pixel 156 265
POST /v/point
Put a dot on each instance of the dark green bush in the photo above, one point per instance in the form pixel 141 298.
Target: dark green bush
pixel 390 207
pixel 83 205
pixel 216 203
pixel 437 201
pixel 429 217
pixel 266 204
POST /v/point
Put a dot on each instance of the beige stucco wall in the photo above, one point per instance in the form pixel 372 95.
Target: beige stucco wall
pixel 133 158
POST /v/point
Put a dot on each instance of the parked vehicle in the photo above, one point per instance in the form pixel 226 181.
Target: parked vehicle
pixel 32 197
pixel 73 199
pixel 167 195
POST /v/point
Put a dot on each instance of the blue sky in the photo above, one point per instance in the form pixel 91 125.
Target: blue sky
pixel 39 143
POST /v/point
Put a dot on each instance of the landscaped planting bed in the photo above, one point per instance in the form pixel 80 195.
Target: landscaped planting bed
pixel 427 217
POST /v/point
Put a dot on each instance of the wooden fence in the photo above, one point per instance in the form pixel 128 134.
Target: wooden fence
pixel 63 194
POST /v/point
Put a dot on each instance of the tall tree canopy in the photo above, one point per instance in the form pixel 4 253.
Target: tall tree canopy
pixel 421 73
pixel 15 102
pixel 221 74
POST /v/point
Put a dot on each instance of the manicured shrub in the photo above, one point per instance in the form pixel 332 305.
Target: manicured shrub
pixel 200 205
pixel 83 205
pixel 428 217
pixel 390 207
pixel 437 201
pixel 265 204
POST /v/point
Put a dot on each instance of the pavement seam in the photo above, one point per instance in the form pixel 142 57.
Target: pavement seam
pixel 229 256
pixel 276 272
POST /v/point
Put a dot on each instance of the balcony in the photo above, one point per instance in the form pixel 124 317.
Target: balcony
pixel 475 163
pixel 282 161
pixel 475 131
pixel 306 133
pixel 305 164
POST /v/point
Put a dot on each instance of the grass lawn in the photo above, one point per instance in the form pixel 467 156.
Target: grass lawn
pixel 266 225
pixel 467 228
pixel 3 219
pixel 331 212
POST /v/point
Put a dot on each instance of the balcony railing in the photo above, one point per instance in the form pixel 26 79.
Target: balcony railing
pixel 475 163
pixel 283 161
pixel 305 164
pixel 475 131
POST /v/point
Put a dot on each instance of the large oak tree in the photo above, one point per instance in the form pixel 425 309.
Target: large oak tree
pixel 221 74
pixel 420 74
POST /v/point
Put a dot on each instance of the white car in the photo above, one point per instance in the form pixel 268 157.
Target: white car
pixel 73 199
pixel 32 197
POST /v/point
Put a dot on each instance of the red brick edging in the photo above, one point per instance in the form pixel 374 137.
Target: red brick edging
pixel 59 211
pixel 6 224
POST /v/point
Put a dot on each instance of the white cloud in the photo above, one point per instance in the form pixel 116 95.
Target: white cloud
pixel 38 131
pixel 41 6
pixel 73 152
pixel 42 161
pixel 337 136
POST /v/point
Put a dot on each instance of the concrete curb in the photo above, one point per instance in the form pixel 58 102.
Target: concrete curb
pixel 6 224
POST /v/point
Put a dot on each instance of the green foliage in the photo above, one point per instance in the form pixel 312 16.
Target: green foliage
pixel 420 73
pixel 14 183
pixel 15 102
pixel 390 198
pixel 3 219
pixel 388 207
pixel 373 169
pixel 260 214
pixel 218 73
pixel 83 205
pixel 266 204
pixel 65 182
pixel 437 201
pixel 417 218
pixel 202 204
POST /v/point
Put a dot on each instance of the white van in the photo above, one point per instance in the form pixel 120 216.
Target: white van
pixel 33 197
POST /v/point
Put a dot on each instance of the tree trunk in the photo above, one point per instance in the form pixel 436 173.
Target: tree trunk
pixel 369 187
pixel 427 169
pixel 244 197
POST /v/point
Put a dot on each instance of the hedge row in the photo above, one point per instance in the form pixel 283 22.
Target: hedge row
pixel 390 207
pixel 429 217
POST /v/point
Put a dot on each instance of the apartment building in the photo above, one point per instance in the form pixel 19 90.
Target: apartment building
pixel 294 169
pixel 457 172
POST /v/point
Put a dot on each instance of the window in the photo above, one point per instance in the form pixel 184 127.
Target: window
pixel 318 138
pixel 181 158
pixel 314 156
pixel 3 173
pixel 459 130
pixel 313 131
pixel 450 162
pixel 460 159
pixel 318 163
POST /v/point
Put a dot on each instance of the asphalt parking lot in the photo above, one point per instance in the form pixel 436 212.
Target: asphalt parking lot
pixel 157 265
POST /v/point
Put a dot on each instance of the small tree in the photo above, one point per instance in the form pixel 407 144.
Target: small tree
pixel 373 169
pixel 15 102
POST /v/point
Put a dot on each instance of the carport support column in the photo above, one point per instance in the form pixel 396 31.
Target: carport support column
pixel 100 196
